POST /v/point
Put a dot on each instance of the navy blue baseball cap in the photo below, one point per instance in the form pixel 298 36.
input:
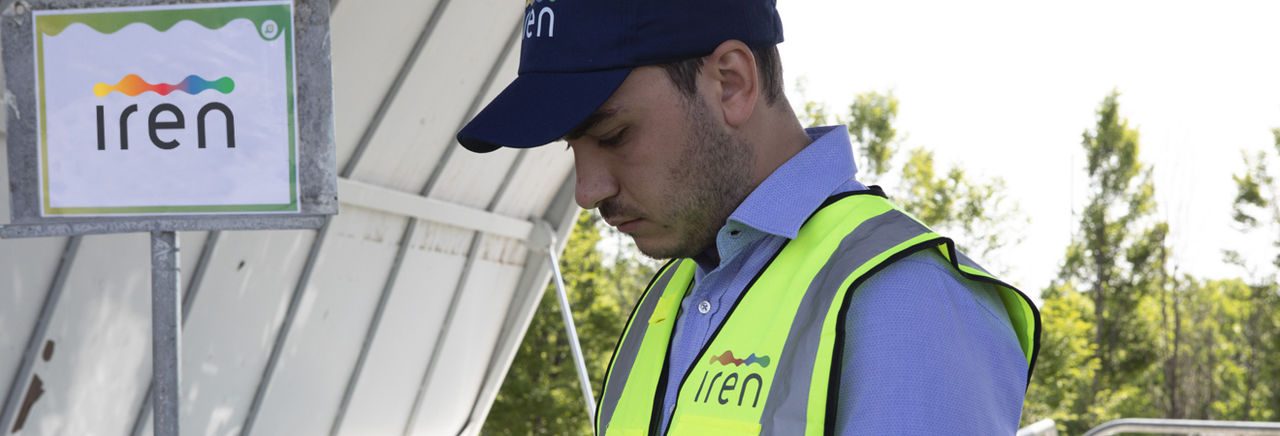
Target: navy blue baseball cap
pixel 575 54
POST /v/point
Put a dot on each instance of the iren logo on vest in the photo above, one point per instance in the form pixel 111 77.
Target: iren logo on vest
pixel 730 382
pixel 132 85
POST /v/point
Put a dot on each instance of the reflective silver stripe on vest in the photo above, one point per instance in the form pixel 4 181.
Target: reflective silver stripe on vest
pixel 785 410
pixel 630 347
pixel 966 261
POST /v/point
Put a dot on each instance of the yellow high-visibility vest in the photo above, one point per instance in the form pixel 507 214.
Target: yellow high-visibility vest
pixel 772 367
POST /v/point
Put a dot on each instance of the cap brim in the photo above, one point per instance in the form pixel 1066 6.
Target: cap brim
pixel 539 108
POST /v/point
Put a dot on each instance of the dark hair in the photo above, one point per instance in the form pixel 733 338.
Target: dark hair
pixel 684 74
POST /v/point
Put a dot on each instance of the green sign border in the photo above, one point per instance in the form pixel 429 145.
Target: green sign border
pixel 212 16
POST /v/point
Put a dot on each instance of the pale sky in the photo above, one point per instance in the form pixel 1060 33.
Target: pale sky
pixel 1005 88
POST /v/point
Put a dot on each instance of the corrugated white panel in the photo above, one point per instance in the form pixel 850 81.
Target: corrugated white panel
pixel 466 352
pixel 371 40
pixel 474 179
pixel 505 251
pixel 331 324
pixel 233 324
pixel 533 186
pixel 398 358
pixel 441 238
pixel 471 178
pixel 101 334
pixel 443 83
pixel 535 183
pixel 27 269
pixel 534 277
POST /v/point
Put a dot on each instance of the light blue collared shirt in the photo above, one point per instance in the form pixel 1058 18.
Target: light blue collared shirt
pixel 924 349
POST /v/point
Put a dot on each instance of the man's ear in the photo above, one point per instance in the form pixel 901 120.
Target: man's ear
pixel 734 81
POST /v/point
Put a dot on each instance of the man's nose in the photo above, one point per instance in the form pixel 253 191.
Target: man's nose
pixel 594 183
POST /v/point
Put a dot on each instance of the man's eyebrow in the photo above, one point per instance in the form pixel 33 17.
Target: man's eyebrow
pixel 595 118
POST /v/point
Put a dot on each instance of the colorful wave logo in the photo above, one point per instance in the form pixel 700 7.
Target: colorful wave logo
pixel 727 358
pixel 132 85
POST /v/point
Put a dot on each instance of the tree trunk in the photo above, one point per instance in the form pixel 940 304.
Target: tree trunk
pixel 1177 345
pixel 1171 360
pixel 1102 261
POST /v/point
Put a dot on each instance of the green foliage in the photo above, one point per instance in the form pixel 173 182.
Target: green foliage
pixel 871 118
pixel 978 212
pixel 1116 263
pixel 1256 211
pixel 1124 337
pixel 1065 366
pixel 816 115
pixel 1118 255
pixel 1256 207
pixel 1245 347
pixel 540 394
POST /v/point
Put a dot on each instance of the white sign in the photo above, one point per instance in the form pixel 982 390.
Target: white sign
pixel 167 110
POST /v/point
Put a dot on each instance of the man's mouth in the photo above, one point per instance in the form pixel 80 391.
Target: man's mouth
pixel 624 224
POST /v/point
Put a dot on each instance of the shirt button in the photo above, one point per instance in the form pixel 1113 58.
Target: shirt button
pixel 704 307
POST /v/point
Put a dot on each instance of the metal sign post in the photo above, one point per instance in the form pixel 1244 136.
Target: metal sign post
pixel 161 116
pixel 166 331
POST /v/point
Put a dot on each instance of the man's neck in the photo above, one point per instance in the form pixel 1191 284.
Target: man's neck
pixel 709 259
pixel 775 141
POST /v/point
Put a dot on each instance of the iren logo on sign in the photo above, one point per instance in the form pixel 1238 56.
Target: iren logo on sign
pixel 174 109
pixel 132 85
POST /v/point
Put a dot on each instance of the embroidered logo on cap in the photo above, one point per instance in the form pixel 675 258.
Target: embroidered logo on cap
pixel 535 18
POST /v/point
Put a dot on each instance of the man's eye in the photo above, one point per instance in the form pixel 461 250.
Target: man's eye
pixel 614 140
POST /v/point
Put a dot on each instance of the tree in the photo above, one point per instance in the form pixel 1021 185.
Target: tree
pixel 1066 366
pixel 540 394
pixel 978 212
pixel 1117 259
pixel 1102 316
pixel 1161 344
pixel 871 118
pixel 1256 210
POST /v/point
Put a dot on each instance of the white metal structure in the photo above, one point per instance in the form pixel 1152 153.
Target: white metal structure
pixel 401 316
pixel 1043 427
pixel 1184 426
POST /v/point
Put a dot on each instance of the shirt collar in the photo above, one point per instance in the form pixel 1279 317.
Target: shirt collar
pixel 785 199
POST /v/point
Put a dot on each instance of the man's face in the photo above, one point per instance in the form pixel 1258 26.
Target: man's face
pixel 660 166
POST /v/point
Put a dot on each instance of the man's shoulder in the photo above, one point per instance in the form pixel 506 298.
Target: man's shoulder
pixel 925 282
pixel 925 348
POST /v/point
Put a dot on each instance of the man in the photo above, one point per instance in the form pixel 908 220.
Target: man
pixel 799 301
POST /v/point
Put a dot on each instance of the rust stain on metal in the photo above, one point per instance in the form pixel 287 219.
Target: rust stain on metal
pixel 48 350
pixel 34 391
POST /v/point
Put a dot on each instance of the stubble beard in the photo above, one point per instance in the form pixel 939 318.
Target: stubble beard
pixel 713 176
